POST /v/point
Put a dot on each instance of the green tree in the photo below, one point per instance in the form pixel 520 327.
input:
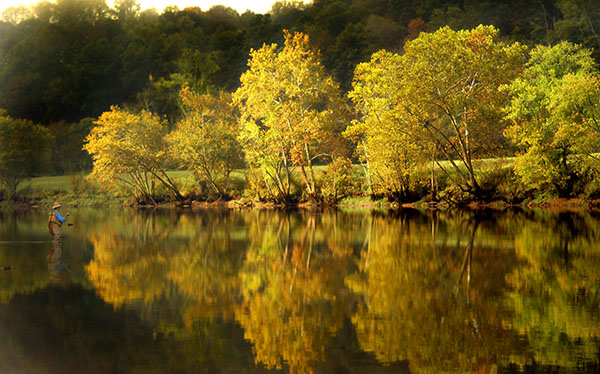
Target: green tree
pixel 452 98
pixel 81 11
pixel 291 111
pixel 25 149
pixel 287 13
pixel 127 10
pixel 130 148
pixel 575 102
pixel 447 101
pixel 67 154
pixel 205 140
pixel 580 23
pixel 553 112
pixel 16 14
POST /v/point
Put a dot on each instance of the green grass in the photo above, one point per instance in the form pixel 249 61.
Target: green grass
pixel 362 200
pixel 64 183
pixel 68 189
pixel 60 183
pixel 74 189
pixel 181 174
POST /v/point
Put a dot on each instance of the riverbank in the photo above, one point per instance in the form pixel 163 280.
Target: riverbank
pixel 75 191
pixel 555 204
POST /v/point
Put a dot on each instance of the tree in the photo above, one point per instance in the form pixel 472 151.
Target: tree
pixel 579 23
pixel 195 70
pixel 338 179
pixel 287 13
pixel 291 111
pixel 25 149
pixel 554 114
pixel 127 10
pixel 81 11
pixel 16 14
pixel 130 148
pixel 575 102
pixel 452 98
pixel 388 150
pixel 449 98
pixel 67 154
pixel 205 140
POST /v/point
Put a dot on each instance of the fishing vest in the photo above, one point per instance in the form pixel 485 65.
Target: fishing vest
pixel 52 219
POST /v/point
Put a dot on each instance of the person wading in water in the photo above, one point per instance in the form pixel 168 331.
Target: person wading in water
pixel 55 221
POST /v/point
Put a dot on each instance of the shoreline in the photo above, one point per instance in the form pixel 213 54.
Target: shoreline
pixel 557 204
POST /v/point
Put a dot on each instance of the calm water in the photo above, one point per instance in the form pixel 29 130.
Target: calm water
pixel 299 292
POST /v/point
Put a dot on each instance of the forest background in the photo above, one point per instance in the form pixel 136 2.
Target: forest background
pixel 76 72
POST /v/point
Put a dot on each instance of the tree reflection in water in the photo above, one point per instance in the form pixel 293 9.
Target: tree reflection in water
pixel 555 295
pixel 305 292
pixel 292 288
pixel 432 295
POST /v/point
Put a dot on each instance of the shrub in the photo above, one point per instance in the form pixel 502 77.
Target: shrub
pixel 80 185
pixel 456 195
pixel 337 180
pixel 502 183
pixel 189 187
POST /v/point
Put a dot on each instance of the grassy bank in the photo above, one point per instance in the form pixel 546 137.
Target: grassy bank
pixel 72 190
pixel 76 190
pixel 496 175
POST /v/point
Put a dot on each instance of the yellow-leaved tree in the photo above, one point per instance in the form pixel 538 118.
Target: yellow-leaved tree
pixel 389 151
pixel 129 148
pixel 443 92
pixel 205 140
pixel 292 113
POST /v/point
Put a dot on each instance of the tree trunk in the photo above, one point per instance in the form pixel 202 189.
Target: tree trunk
pixel 313 183
pixel 367 169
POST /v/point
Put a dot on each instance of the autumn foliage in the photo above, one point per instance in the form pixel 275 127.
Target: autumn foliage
pixel 422 121
pixel 292 113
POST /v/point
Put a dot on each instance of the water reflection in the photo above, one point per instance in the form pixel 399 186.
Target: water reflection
pixel 433 295
pixel 336 291
pixel 57 267
pixel 292 289
pixel 555 295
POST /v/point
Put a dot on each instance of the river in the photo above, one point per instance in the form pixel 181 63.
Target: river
pixel 269 291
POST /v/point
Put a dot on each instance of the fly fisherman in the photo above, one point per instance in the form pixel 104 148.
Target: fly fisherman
pixel 55 222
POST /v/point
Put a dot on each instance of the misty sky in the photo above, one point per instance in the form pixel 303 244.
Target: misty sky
pixel 257 6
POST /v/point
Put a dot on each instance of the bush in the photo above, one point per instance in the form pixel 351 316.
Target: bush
pixel 189 187
pixel 586 181
pixel 80 185
pixel 337 180
pixel 420 185
pixel 592 190
pixel 256 189
pixel 455 195
pixel 237 183
pixel 26 149
pixel 502 183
